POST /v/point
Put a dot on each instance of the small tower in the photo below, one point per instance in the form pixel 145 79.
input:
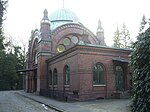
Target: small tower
pixel 44 52
pixel 45 25
pixel 100 34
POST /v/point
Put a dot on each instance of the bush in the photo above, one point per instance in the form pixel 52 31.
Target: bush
pixel 140 62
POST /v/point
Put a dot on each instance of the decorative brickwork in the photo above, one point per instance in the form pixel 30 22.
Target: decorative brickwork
pixel 60 63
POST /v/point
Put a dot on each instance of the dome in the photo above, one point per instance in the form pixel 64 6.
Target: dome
pixel 61 17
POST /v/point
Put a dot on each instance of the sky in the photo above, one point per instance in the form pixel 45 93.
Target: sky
pixel 22 16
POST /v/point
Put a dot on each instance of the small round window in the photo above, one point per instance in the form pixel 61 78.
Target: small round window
pixel 61 48
pixel 74 39
pixel 66 41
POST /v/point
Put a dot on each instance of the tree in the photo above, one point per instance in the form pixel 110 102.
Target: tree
pixel 8 71
pixel 140 61
pixel 125 36
pixel 2 48
pixel 117 38
pixel 143 23
pixel 2 10
pixel 9 64
pixel 122 38
pixel 10 61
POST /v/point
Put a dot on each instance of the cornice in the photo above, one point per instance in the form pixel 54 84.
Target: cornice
pixel 86 49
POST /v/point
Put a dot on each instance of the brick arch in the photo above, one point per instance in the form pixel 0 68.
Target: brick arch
pixel 35 37
pixel 34 41
pixel 75 29
pixel 34 50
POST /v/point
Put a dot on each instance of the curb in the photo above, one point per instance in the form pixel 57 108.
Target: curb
pixel 48 105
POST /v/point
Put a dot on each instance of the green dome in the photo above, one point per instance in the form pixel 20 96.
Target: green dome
pixel 61 17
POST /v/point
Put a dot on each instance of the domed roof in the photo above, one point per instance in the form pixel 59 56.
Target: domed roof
pixel 61 17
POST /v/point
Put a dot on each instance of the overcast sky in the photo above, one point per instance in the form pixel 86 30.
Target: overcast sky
pixel 24 15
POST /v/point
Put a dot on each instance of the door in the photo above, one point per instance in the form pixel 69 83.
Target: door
pixel 119 78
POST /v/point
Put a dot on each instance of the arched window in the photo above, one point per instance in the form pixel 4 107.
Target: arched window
pixel 66 75
pixel 119 69
pixel 98 74
pixel 50 77
pixel 119 78
pixel 55 77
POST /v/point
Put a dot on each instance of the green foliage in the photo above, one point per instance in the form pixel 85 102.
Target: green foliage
pixel 2 9
pixel 117 38
pixel 10 62
pixel 125 35
pixel 122 38
pixel 143 23
pixel 8 71
pixel 140 62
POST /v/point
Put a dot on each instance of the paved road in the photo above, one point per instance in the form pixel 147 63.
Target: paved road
pixel 108 105
pixel 12 102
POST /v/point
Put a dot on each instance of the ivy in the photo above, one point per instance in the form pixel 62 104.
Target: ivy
pixel 140 63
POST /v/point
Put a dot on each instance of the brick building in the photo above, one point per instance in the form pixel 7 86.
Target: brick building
pixel 65 60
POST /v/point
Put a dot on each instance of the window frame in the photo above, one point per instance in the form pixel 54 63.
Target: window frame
pixel 55 77
pixel 66 75
pixel 98 75
pixel 50 77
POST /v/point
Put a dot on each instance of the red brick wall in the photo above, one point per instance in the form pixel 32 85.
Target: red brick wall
pixel 81 60
pixel 41 73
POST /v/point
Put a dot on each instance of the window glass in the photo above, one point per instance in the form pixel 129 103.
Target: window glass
pixel 74 39
pixel 119 78
pixel 67 75
pixel 50 77
pixel 66 41
pixel 118 68
pixel 98 74
pixel 55 77
pixel 61 48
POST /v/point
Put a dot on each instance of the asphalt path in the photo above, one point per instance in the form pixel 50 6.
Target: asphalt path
pixel 12 102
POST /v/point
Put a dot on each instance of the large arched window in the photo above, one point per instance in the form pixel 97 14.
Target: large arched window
pixel 66 75
pixel 55 77
pixel 98 74
pixel 119 78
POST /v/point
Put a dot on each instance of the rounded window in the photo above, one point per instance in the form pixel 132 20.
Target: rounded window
pixel 66 41
pixel 61 48
pixel 98 74
pixel 74 39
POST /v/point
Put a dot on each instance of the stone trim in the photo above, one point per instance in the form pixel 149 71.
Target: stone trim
pixel 100 85
pixel 43 54
pixel 44 41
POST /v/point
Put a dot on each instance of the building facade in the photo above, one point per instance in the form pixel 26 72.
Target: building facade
pixel 65 60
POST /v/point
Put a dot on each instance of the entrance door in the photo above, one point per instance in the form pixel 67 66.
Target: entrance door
pixel 119 78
